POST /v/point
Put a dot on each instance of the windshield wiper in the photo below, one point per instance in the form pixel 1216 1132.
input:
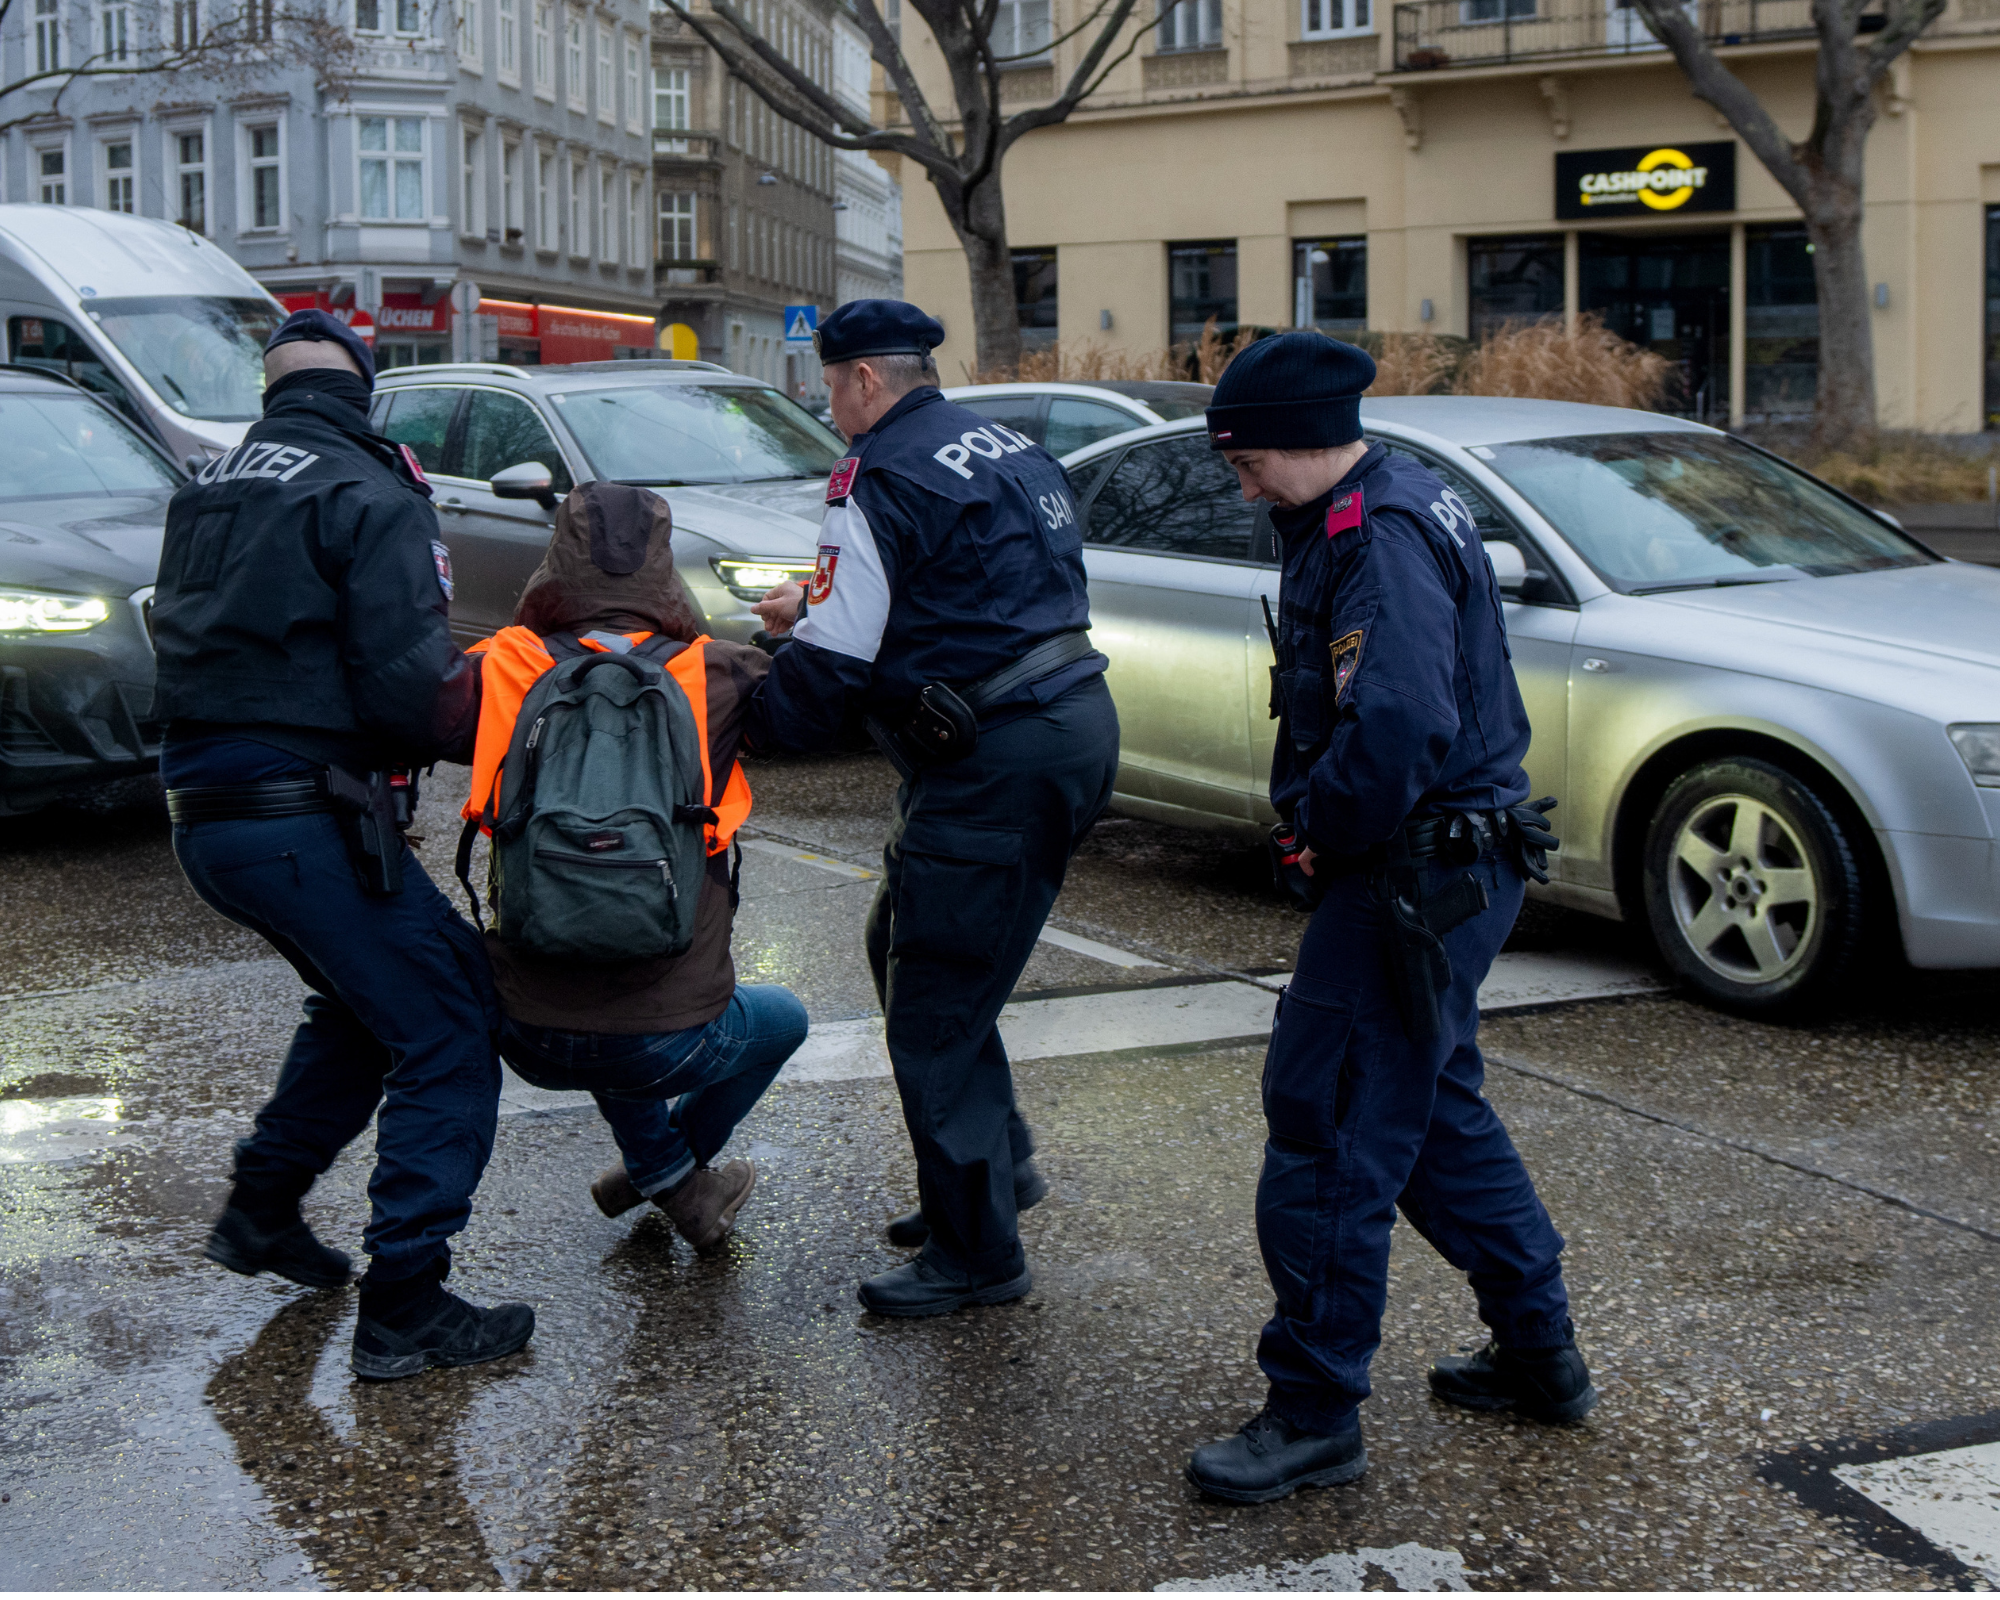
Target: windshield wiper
pixel 1731 582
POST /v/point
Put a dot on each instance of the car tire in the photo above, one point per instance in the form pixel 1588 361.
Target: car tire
pixel 1753 889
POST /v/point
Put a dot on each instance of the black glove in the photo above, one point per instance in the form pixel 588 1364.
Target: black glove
pixel 1532 836
pixel 1294 883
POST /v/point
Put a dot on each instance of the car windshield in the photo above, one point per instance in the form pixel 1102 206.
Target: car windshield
pixel 203 355
pixel 67 444
pixel 689 433
pixel 1654 511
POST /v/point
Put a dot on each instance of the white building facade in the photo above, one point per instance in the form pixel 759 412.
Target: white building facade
pixel 868 202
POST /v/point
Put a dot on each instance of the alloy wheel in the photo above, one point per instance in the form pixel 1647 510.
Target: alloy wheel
pixel 1742 888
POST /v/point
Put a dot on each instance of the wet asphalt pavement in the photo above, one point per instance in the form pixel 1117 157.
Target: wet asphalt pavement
pixel 1784 1248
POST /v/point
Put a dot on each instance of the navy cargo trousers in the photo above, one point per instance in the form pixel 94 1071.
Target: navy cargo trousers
pixel 977 851
pixel 1363 1122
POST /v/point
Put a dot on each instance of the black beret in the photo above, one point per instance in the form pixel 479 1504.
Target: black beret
pixel 321 327
pixel 1291 391
pixel 877 328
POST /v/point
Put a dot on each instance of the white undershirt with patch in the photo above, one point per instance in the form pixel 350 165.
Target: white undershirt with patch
pixel 847 601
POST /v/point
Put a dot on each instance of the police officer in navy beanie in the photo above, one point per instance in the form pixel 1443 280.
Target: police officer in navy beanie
pixel 948 613
pixel 1398 778
pixel 301 624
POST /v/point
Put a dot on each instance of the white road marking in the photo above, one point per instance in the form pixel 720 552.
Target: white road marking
pixel 1951 1497
pixel 1099 952
pixel 1413 1568
pixel 1521 979
pixel 771 847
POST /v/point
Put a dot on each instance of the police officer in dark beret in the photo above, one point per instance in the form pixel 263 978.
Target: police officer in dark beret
pixel 948 614
pixel 305 668
pixel 1398 778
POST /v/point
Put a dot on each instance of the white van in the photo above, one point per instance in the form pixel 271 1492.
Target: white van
pixel 158 320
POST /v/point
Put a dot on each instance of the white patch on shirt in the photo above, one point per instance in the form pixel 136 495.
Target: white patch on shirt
pixel 850 616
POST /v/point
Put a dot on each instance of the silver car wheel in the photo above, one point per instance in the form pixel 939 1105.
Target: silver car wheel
pixel 1742 889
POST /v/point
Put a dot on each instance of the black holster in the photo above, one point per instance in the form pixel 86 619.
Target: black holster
pixel 1419 969
pixel 374 809
pixel 942 729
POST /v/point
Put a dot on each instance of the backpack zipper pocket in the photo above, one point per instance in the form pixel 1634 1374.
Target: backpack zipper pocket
pixel 666 871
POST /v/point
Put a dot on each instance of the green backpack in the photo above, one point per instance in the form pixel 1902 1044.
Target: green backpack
pixel 598 812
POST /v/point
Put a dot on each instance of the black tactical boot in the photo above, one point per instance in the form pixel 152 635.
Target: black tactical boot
pixel 412 1323
pixel 1269 1459
pixel 262 1231
pixel 918 1289
pixel 1542 1385
pixel 1030 1189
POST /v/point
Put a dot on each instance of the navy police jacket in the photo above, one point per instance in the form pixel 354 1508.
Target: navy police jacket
pixel 950 548
pixel 303 593
pixel 1394 674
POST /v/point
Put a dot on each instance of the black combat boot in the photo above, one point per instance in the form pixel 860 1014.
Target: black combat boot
pixel 919 1289
pixel 1551 1385
pixel 1268 1459
pixel 260 1230
pixel 1030 1189
pixel 408 1324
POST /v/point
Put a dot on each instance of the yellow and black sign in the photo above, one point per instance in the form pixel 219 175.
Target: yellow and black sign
pixel 1645 181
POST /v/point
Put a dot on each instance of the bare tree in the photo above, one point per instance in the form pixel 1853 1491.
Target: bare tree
pixel 962 159
pixel 193 37
pixel 1821 172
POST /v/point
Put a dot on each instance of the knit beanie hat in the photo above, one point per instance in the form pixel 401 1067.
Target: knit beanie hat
pixel 1291 391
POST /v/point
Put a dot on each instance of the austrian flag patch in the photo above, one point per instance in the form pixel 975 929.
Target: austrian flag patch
pixel 822 578
pixel 840 483
pixel 1344 513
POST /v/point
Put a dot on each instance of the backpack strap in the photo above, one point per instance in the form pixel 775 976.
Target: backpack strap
pixel 466 835
pixel 565 646
pixel 658 648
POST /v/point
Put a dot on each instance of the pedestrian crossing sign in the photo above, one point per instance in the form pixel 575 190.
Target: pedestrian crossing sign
pixel 801 322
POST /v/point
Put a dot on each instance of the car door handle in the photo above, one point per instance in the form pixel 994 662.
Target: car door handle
pixel 451 504
pixel 1596 664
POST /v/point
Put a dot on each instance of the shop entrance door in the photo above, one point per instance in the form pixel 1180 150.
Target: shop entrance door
pixel 1669 293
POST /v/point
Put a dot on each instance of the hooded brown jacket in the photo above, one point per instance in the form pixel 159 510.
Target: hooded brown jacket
pixel 610 569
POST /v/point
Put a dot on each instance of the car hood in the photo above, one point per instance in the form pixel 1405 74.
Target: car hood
pixel 754 519
pixel 83 544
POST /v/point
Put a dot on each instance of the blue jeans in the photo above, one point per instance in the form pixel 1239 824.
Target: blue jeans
pixel 672 1099
pixel 402 1015
pixel 1362 1123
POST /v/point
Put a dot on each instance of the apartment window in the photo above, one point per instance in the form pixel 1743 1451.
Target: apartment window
pixel 258 18
pixel 579 242
pixel 511 221
pixel 1327 19
pixel 545 48
pixel 191 179
pixel 48 38
pixel 367 16
pixel 1781 321
pixel 472 181
pixel 187 24
pixel 468 32
pixel 1494 10
pixel 1330 284
pixel 1993 316
pixel 607 235
pixel 545 200
pixel 607 90
pixel 52 177
pixel 677 226
pixel 635 221
pixel 267 209
pixel 1190 25
pixel 392 169
pixel 633 102
pixel 409 16
pixel 1517 279
pixel 1035 297
pixel 113 28
pixel 118 176
pixel 1202 288
pixel 1021 28
pixel 573 64
pixel 735 240
pixel 510 40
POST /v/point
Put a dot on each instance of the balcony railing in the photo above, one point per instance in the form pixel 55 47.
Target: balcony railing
pixel 691 144
pixel 686 272
pixel 1475 33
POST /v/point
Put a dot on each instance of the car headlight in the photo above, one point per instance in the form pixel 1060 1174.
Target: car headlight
pixel 748 578
pixel 24 611
pixel 1978 746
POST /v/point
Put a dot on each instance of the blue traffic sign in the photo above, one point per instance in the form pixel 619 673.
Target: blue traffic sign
pixel 801 322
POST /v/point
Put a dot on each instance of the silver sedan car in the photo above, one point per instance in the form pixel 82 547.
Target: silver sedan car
pixel 1771 718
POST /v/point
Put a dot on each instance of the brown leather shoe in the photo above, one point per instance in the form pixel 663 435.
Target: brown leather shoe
pixel 614 1193
pixel 704 1208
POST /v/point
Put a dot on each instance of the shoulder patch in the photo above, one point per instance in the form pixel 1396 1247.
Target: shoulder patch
pixel 822 578
pixel 1346 661
pixel 415 469
pixel 840 482
pixel 1347 512
pixel 441 559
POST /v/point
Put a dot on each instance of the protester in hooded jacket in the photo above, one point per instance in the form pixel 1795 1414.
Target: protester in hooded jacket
pixel 675 1051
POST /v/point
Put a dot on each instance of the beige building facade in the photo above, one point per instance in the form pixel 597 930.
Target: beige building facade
pixel 1446 165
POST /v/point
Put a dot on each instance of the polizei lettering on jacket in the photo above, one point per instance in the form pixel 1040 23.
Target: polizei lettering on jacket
pixel 992 441
pixel 259 460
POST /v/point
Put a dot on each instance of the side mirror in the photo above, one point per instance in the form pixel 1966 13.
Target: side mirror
pixel 527 480
pixel 1511 572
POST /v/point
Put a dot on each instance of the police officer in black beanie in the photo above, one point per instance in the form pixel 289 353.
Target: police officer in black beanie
pixel 305 668
pixel 1405 827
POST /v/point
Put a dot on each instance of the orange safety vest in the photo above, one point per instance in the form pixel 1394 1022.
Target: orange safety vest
pixel 515 659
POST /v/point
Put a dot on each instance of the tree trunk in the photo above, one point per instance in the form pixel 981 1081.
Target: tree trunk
pixel 980 221
pixel 1845 411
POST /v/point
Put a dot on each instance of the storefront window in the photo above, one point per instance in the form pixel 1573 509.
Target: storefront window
pixel 1203 286
pixel 1993 316
pixel 1780 324
pixel 1330 284
pixel 1669 293
pixel 1035 297
pixel 1513 280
